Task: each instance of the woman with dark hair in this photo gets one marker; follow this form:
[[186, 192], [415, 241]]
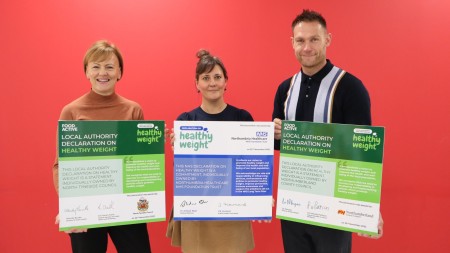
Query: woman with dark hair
[[212, 236]]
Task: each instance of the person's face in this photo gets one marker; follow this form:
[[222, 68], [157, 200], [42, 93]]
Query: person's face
[[310, 41], [212, 85], [104, 75]]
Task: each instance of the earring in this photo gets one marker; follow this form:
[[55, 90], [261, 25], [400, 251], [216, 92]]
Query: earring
[[198, 91]]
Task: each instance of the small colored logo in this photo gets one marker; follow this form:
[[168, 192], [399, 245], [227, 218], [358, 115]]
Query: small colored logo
[[69, 128], [146, 125], [193, 128], [342, 212], [142, 204], [362, 131], [290, 126], [262, 134]]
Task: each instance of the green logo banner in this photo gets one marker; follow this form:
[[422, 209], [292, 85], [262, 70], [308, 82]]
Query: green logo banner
[[103, 138], [340, 141]]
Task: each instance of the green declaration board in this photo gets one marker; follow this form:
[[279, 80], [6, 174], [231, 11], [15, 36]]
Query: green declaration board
[[330, 175], [110, 173]]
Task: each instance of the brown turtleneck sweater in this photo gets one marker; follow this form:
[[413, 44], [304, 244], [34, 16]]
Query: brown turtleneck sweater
[[92, 106]]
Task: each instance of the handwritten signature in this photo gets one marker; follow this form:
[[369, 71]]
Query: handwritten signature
[[106, 206], [77, 209], [234, 204], [317, 206], [191, 203], [290, 202]]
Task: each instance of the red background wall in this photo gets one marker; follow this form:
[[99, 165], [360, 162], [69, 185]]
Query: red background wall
[[399, 48]]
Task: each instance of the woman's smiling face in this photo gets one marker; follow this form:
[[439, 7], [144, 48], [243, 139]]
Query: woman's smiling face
[[104, 75]]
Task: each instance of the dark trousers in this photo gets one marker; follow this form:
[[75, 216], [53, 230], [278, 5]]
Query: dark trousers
[[127, 239], [304, 238]]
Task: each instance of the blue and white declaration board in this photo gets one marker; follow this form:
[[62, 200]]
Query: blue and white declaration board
[[223, 170]]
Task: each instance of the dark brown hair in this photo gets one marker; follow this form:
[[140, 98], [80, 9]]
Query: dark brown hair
[[309, 16], [207, 62]]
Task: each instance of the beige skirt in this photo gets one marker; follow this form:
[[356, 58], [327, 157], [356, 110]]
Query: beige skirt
[[211, 236]]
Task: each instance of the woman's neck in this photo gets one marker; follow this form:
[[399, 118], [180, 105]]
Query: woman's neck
[[213, 108]]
